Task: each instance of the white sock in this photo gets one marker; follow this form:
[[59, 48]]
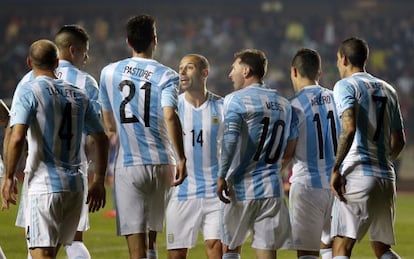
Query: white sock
[[77, 250], [152, 254], [231, 256], [326, 253], [390, 255], [2, 256], [341, 257], [308, 257]]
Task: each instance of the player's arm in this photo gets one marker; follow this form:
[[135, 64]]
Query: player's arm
[[398, 140], [93, 127], [109, 123], [232, 124], [289, 153], [96, 194], [175, 132], [344, 144], [15, 149]]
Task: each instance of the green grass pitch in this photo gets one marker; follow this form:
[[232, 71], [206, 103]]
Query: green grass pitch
[[103, 243]]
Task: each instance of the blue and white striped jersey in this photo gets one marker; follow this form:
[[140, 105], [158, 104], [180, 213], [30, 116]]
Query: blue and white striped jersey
[[258, 122], [71, 74], [57, 114], [319, 127], [377, 113], [135, 90], [201, 127]]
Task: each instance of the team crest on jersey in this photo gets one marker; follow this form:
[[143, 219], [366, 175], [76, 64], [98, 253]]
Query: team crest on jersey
[[215, 120], [170, 238]]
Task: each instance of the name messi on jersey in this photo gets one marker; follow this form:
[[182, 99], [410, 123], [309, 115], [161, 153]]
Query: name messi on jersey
[[274, 106], [135, 71], [321, 100]]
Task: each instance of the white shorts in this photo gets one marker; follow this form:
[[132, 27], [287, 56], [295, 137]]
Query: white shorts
[[20, 218], [84, 218], [141, 194], [310, 216], [185, 218], [370, 207], [52, 218], [268, 219]]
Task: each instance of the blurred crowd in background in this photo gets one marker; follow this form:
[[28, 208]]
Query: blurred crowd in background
[[217, 29]]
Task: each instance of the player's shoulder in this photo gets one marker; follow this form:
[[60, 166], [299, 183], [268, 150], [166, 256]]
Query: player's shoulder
[[215, 97]]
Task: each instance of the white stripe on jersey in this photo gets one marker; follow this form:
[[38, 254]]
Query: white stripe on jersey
[[53, 158], [135, 89], [253, 147], [380, 114], [315, 150], [201, 130]]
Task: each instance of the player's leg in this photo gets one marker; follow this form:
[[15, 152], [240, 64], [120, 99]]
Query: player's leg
[[137, 245], [152, 252], [383, 251], [78, 250], [210, 213], [43, 252], [382, 226], [265, 254], [179, 253], [131, 188], [342, 246], [214, 248]]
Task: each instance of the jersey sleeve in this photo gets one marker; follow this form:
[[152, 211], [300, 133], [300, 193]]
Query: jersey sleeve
[[93, 122], [103, 93], [169, 94], [23, 106], [344, 95], [231, 131], [92, 90]]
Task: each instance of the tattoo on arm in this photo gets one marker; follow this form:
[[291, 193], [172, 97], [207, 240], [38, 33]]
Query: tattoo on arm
[[347, 136]]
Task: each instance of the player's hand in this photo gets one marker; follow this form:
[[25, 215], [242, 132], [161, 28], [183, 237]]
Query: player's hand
[[8, 193], [180, 173], [222, 190], [338, 185], [96, 196]]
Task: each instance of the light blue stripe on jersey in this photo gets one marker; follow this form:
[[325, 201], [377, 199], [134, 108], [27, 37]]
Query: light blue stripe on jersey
[[140, 144], [201, 128], [369, 95], [316, 111], [40, 104], [251, 165]]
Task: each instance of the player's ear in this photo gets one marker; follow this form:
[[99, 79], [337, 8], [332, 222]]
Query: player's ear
[[72, 50], [293, 72], [204, 72], [29, 62]]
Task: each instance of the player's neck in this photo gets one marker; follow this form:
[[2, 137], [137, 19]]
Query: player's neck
[[146, 54], [196, 98], [41, 72]]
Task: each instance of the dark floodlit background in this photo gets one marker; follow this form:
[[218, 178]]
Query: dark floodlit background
[[218, 28]]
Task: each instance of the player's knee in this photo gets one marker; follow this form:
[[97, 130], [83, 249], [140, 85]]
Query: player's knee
[[213, 244]]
